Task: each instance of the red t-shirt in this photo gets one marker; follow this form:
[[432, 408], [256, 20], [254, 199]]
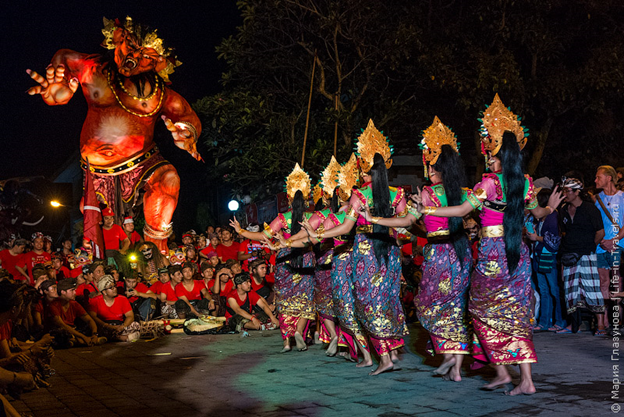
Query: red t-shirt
[[9, 262], [194, 294], [156, 287], [253, 300], [134, 237], [116, 312], [225, 288], [208, 249], [88, 287], [249, 246], [32, 258], [113, 236], [69, 316], [5, 330], [63, 272], [169, 290], [228, 252], [140, 287]]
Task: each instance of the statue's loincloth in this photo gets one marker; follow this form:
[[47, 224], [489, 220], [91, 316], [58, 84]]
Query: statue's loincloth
[[117, 186]]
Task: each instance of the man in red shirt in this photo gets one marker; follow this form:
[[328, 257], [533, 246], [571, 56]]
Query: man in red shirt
[[64, 311], [168, 296], [246, 309], [61, 270], [11, 258], [128, 227], [250, 250], [113, 313], [142, 300], [228, 248], [192, 294], [113, 235], [35, 256]]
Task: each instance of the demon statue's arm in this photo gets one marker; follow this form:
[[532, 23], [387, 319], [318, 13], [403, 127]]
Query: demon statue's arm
[[182, 122]]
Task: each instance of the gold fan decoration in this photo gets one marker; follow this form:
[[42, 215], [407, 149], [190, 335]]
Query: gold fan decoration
[[298, 180], [329, 178], [317, 192], [370, 142], [348, 177], [434, 137], [496, 120]]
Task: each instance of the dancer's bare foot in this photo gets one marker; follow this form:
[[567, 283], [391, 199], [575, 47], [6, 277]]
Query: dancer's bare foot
[[285, 349], [382, 368], [525, 388], [452, 375], [365, 363], [394, 356], [333, 347], [448, 363], [301, 346], [498, 382]]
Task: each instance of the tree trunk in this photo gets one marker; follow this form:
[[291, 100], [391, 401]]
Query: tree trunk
[[542, 137]]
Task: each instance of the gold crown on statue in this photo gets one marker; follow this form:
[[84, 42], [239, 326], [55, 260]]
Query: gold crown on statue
[[370, 142], [348, 177], [329, 178], [298, 180], [496, 120], [317, 192], [147, 39], [434, 137]]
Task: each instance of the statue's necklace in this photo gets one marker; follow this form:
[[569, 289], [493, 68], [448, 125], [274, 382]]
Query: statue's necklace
[[156, 110]]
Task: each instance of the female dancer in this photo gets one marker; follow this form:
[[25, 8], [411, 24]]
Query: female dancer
[[441, 302], [294, 272], [501, 283], [375, 260]]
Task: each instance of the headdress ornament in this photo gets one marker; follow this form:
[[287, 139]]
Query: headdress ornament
[[147, 39], [298, 180], [496, 120], [434, 137], [348, 177], [317, 192], [329, 178], [370, 142]]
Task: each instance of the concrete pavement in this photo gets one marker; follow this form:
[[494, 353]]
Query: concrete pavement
[[226, 375]]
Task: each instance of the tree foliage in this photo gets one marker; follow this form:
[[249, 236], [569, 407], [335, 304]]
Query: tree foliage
[[557, 63]]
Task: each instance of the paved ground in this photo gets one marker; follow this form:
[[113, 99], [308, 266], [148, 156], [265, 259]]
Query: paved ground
[[226, 375]]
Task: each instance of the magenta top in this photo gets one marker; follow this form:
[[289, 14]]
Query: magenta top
[[490, 189]]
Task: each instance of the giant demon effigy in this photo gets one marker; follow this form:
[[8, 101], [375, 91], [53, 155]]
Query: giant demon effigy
[[127, 92]]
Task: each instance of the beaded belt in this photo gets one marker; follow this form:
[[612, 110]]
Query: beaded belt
[[493, 231], [367, 228], [125, 167], [438, 233]]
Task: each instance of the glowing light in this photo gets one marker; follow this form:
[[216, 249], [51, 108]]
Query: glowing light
[[233, 205], [133, 257], [55, 203]]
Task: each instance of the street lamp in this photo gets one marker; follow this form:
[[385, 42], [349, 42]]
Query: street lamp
[[55, 204], [233, 205]]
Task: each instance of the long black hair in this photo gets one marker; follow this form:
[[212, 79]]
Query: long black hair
[[334, 205], [381, 207], [511, 163], [451, 167], [298, 207]]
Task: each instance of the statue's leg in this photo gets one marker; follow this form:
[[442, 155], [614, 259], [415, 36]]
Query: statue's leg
[[159, 203]]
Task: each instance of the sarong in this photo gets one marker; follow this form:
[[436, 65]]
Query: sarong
[[323, 292], [581, 284], [442, 299], [377, 295], [294, 290], [500, 305]]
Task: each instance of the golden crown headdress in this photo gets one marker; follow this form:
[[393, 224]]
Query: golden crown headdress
[[496, 120], [147, 40], [329, 178], [317, 192], [348, 177], [298, 180], [370, 142], [434, 137]]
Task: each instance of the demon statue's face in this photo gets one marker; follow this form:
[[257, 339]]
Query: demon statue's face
[[132, 58]]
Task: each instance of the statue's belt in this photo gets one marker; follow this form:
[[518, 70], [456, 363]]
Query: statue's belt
[[122, 168]]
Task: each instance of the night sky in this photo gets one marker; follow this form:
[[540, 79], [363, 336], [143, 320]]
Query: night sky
[[38, 139]]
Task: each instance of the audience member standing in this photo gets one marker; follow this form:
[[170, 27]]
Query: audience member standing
[[116, 242], [228, 249], [35, 256]]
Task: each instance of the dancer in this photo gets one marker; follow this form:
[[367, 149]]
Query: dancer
[[294, 271], [501, 283], [376, 258], [441, 302]]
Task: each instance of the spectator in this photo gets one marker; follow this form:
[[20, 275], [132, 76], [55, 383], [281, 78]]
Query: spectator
[[163, 278], [228, 248], [91, 274], [250, 250], [234, 266], [546, 245], [168, 296], [150, 261], [610, 203], [187, 239], [47, 244], [65, 311], [131, 234], [207, 273], [34, 257], [191, 255], [202, 242], [142, 301], [220, 287], [13, 258], [61, 270], [193, 297], [49, 292], [212, 247], [116, 242], [67, 252], [246, 309], [113, 313], [582, 229], [258, 271]]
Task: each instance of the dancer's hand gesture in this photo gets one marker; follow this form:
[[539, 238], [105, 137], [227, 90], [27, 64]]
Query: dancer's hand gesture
[[417, 198], [236, 225]]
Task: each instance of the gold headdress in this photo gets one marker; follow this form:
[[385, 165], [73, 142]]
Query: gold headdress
[[496, 120], [434, 137], [348, 178], [298, 180], [370, 142], [317, 192], [147, 40], [329, 178]]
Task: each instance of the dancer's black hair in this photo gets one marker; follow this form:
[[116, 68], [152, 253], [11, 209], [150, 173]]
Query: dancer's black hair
[[298, 207], [451, 167], [382, 208], [334, 205], [511, 163], [318, 206]]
